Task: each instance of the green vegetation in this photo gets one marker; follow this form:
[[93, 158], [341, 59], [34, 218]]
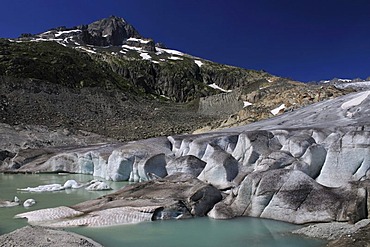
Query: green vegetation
[[180, 80], [54, 63]]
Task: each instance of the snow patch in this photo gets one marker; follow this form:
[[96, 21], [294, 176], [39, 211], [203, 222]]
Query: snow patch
[[142, 41], [132, 48], [173, 52], [42, 39], [246, 103], [199, 63], [356, 101], [345, 80], [85, 49], [154, 61], [213, 85], [69, 31], [44, 33], [175, 58], [145, 56], [278, 109]]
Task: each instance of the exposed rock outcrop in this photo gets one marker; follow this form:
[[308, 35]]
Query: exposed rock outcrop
[[109, 31]]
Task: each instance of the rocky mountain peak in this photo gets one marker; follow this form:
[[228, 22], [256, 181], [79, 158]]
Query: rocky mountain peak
[[108, 31]]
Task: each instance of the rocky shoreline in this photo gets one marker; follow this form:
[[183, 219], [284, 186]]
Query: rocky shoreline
[[339, 234], [41, 236]]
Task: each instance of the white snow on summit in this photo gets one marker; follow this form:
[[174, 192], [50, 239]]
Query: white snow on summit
[[138, 40], [344, 80], [173, 52], [199, 63], [213, 85]]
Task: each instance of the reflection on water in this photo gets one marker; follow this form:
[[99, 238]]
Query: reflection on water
[[192, 232]]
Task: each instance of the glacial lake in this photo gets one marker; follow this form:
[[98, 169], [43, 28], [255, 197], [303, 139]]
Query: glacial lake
[[196, 232]]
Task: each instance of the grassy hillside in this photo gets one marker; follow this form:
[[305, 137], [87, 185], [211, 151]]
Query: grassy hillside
[[55, 63]]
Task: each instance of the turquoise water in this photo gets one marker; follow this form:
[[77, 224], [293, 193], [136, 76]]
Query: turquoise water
[[200, 232]]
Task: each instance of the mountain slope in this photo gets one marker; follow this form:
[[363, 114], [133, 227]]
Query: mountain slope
[[105, 77], [151, 67]]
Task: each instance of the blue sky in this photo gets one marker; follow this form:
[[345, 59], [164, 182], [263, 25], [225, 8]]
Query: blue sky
[[301, 39]]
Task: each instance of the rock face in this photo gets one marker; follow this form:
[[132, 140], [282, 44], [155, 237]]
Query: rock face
[[109, 31], [309, 165]]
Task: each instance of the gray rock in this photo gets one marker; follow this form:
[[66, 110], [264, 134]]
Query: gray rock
[[40, 236], [332, 230], [108, 31]]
